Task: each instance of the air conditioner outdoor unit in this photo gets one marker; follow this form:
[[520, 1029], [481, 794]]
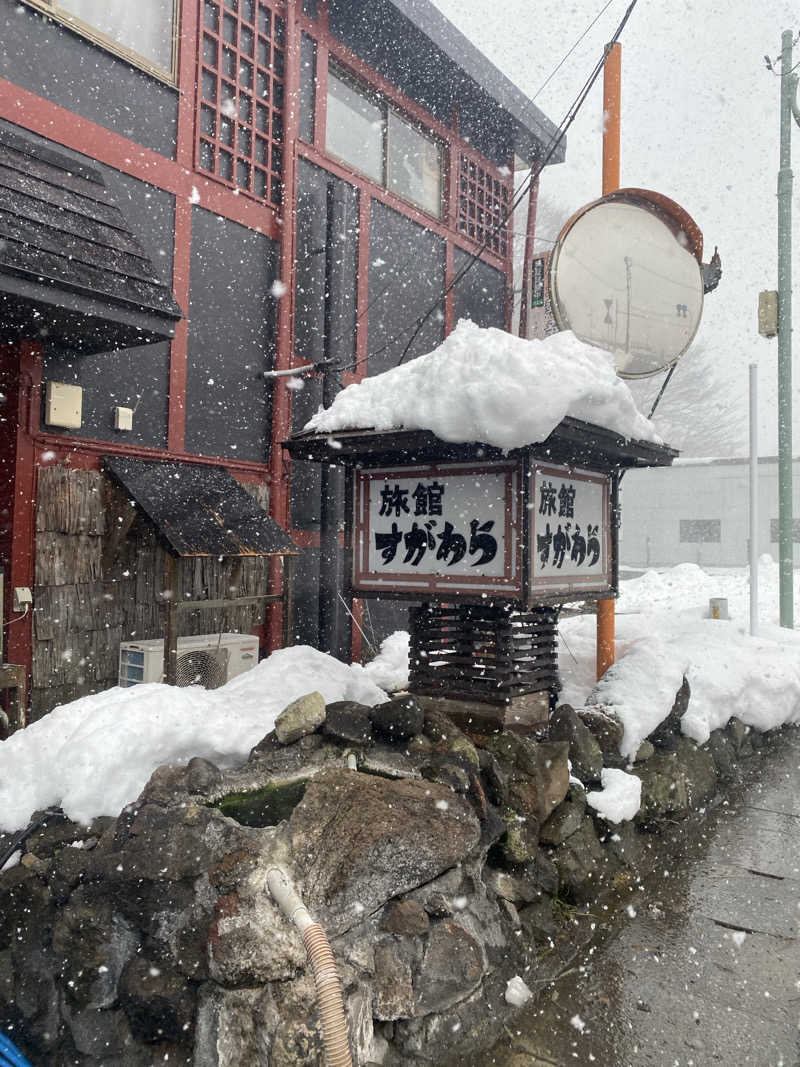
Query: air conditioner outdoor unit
[[209, 660]]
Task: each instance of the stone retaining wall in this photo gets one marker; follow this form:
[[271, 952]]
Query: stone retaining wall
[[441, 867]]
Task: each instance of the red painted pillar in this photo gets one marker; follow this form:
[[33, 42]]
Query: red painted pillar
[[284, 348], [21, 571]]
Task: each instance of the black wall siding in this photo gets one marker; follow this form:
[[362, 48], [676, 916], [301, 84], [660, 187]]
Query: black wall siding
[[313, 184], [52, 61], [481, 294], [231, 339], [406, 276], [304, 496], [131, 377]]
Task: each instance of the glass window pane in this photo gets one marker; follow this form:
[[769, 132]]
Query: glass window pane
[[146, 27], [209, 50], [415, 165], [354, 128], [211, 16]]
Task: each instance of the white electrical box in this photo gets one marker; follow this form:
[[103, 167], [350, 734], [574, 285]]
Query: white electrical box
[[63, 405], [209, 660], [123, 418], [23, 598]]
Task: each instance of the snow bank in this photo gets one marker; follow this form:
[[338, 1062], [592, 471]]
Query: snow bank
[[389, 669], [478, 385], [94, 756], [620, 797], [663, 632]]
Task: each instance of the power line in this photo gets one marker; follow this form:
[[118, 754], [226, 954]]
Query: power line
[[557, 68], [536, 170]]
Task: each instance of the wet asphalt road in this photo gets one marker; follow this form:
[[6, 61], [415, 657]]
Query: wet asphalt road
[[707, 971]]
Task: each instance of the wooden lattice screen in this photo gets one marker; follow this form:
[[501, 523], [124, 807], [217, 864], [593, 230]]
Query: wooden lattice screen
[[489, 653], [240, 88], [483, 204]]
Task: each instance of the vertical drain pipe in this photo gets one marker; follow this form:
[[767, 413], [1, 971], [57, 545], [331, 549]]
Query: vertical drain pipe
[[326, 977]]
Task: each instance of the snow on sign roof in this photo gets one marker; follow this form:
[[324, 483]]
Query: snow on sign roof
[[486, 385]]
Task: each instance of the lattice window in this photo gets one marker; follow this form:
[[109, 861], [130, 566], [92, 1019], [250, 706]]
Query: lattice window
[[241, 96], [483, 201]]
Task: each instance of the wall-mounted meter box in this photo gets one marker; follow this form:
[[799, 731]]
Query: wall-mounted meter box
[[63, 405]]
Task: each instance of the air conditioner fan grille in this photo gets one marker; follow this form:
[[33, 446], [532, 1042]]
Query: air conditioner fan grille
[[206, 667]]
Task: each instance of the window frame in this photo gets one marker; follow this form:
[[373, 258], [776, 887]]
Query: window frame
[[388, 107], [53, 10]]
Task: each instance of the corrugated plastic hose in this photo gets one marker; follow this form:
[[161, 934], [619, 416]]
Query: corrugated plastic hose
[[323, 966]]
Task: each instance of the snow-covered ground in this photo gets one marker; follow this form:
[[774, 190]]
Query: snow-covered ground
[[663, 633], [94, 755]]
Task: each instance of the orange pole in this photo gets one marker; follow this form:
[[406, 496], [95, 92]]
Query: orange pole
[[612, 108]]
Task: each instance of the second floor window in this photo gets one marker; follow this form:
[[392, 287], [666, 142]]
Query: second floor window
[[377, 141], [143, 31]]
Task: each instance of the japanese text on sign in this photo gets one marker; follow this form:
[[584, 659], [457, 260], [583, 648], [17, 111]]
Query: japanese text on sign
[[437, 522], [570, 525], [435, 536]]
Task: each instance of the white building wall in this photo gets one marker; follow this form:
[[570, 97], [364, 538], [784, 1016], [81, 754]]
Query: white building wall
[[654, 502]]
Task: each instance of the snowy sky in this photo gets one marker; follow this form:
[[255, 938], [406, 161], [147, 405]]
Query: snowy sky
[[699, 123]]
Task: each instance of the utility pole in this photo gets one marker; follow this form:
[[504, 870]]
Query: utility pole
[[612, 109], [785, 539]]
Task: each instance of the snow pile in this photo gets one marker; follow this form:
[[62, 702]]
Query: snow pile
[[640, 689], [479, 384], [517, 993], [389, 669], [94, 756], [620, 797], [664, 632]]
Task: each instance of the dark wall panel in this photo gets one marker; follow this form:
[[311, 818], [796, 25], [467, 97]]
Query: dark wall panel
[[132, 377], [46, 58], [481, 293], [135, 378], [406, 276], [306, 477], [231, 339], [325, 205]]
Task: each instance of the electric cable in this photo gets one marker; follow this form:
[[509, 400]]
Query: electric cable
[[558, 67]]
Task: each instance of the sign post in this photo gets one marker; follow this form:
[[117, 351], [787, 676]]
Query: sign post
[[488, 545]]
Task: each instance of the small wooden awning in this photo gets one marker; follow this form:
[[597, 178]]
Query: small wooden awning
[[71, 271], [199, 510]]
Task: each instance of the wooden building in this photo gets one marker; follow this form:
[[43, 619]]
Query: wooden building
[[193, 194]]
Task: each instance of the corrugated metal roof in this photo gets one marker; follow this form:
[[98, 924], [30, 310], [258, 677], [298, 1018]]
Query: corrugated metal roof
[[199, 510], [70, 268]]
